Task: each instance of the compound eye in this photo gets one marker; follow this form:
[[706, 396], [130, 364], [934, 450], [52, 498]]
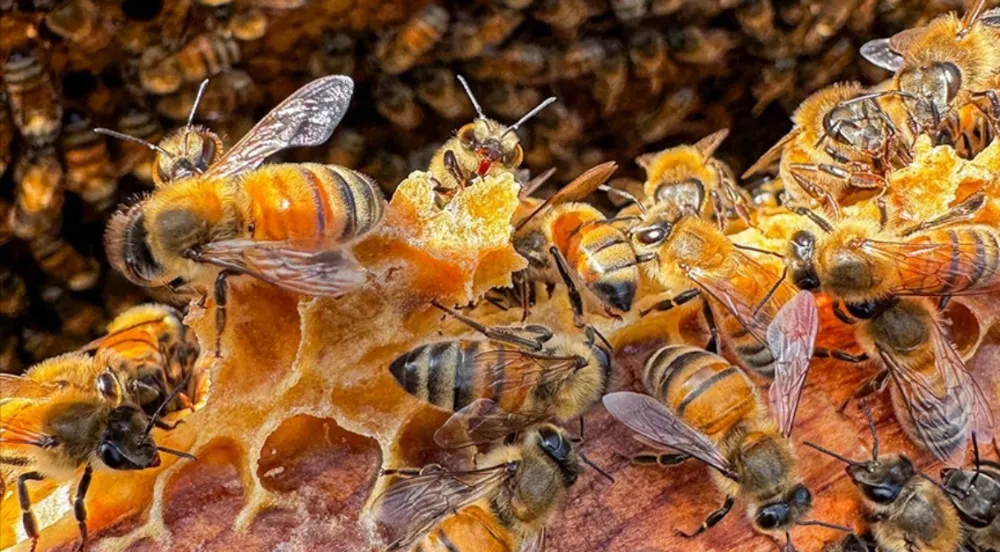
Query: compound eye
[[107, 386], [512, 158], [468, 136], [952, 78], [653, 235], [553, 443]]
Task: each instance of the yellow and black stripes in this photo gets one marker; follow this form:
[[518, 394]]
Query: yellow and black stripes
[[443, 374]]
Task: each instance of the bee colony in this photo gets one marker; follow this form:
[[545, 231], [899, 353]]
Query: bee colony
[[482, 276]]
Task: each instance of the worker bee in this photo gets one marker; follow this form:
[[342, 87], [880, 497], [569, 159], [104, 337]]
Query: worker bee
[[669, 118], [401, 49], [859, 140], [285, 224], [77, 316], [34, 103], [347, 149], [521, 62], [63, 263], [89, 169], [51, 430], [566, 16], [222, 97], [502, 504], [152, 353], [38, 194], [206, 55], [699, 46], [247, 24], [943, 66], [975, 493], [136, 158], [480, 148], [10, 357], [905, 510], [647, 50], [396, 101], [469, 38], [158, 71], [709, 410], [516, 378], [334, 57], [612, 77], [629, 11], [13, 293], [581, 58], [560, 125], [510, 101], [687, 170], [80, 22], [438, 88]]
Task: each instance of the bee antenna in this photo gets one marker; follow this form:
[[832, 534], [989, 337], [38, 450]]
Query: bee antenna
[[825, 524], [829, 452], [622, 193], [120, 136], [975, 452], [170, 398], [197, 100], [788, 542], [597, 468], [468, 92], [176, 453], [938, 484], [817, 220], [871, 428], [528, 115]]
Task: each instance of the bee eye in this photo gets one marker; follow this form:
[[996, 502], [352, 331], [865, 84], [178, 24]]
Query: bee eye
[[468, 136], [802, 496], [772, 516], [106, 385], [653, 235], [512, 157], [952, 78], [553, 444]]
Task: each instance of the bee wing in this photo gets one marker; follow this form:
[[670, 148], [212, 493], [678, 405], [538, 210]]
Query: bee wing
[[306, 118], [534, 542], [307, 267], [482, 421], [927, 268], [991, 18], [535, 183], [415, 503], [21, 424], [20, 387], [647, 417], [935, 405], [880, 52], [791, 337], [579, 188], [772, 155]]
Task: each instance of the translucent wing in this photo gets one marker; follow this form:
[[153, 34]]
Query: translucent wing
[[991, 18], [928, 268], [791, 338], [941, 401], [482, 421], [771, 156], [308, 267], [534, 542], [413, 504], [306, 118], [647, 417], [535, 183], [879, 53], [21, 423], [579, 188], [19, 387]]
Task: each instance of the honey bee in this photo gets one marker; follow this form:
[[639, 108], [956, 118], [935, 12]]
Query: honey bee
[[52, 430], [64, 264], [247, 24], [669, 117], [629, 11], [510, 101], [396, 101], [699, 46], [905, 510], [34, 103], [859, 143], [222, 97], [399, 51], [10, 357], [89, 169], [469, 38], [285, 224], [347, 149], [158, 71], [41, 344], [647, 50], [560, 125], [78, 318], [503, 504], [709, 410], [438, 88], [13, 293], [581, 58], [516, 378], [480, 148], [566, 16], [334, 57], [975, 493], [136, 158], [686, 170], [757, 20], [206, 55], [80, 22], [152, 353], [942, 67], [611, 79], [38, 194], [521, 62]]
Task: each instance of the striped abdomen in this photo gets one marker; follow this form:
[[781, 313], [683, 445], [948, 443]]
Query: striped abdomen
[[960, 259], [953, 430], [471, 529], [89, 170], [34, 103], [603, 258], [452, 374], [753, 353], [309, 200], [207, 55], [702, 388]]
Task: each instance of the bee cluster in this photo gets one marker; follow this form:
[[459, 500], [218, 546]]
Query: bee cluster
[[446, 341], [631, 73]]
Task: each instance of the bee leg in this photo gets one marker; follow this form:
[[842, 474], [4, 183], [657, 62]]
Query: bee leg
[[712, 519], [816, 191], [943, 302], [505, 334], [27, 516], [838, 311], [454, 169], [675, 301], [823, 352], [165, 426], [525, 300], [221, 297], [79, 508], [961, 212], [720, 220], [650, 458], [713, 343], [575, 299], [874, 385]]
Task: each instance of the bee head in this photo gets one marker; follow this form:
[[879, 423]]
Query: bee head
[[491, 143], [780, 515], [882, 480], [125, 444], [931, 90], [801, 254], [975, 495], [185, 153]]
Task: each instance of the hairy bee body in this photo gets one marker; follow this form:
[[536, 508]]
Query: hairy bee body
[[975, 492], [89, 169], [505, 153], [38, 194], [62, 262], [80, 22], [35, 105]]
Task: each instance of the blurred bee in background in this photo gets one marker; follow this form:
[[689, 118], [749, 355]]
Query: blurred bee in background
[[669, 118], [10, 357], [347, 149], [611, 79], [524, 63], [510, 101], [35, 105], [700, 46], [778, 81], [565, 16], [560, 125], [13, 293], [708, 409], [503, 504], [387, 168], [757, 19], [843, 140], [629, 11], [419, 159], [469, 38], [336, 56], [905, 510], [975, 493], [399, 51], [220, 99], [516, 378], [942, 67], [80, 22], [245, 24], [396, 101], [135, 157], [482, 147], [89, 169], [38, 194], [157, 71], [648, 52], [63, 263], [206, 55], [438, 88], [51, 430], [77, 316], [40, 344], [581, 58]]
